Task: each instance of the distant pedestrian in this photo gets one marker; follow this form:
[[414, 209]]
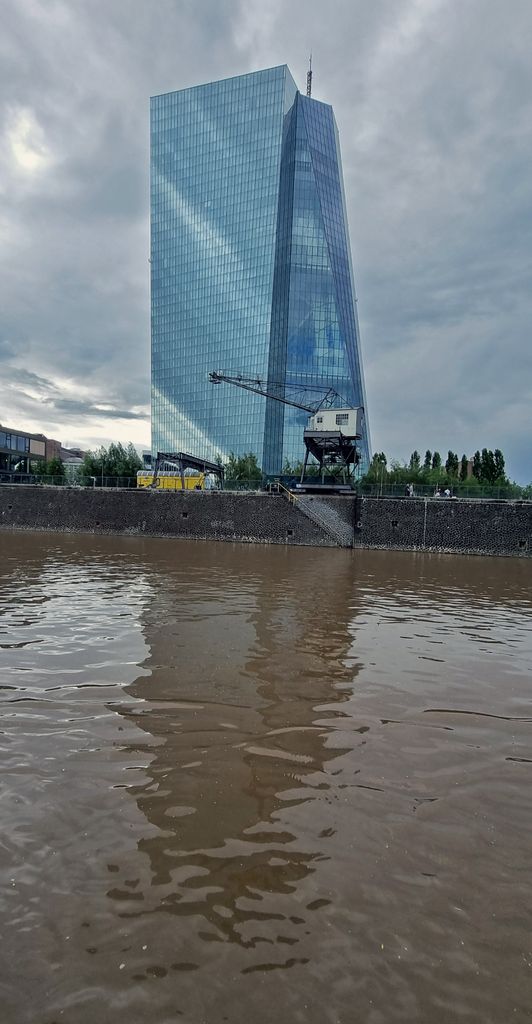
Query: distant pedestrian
[[447, 492], [411, 490]]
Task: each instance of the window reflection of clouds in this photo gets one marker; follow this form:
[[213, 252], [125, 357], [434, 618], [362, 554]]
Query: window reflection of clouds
[[215, 162], [217, 189]]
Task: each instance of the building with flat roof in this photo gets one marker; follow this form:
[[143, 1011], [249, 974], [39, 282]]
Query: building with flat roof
[[18, 448], [250, 266]]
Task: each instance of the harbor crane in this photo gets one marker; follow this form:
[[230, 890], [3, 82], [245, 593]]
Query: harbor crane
[[333, 427]]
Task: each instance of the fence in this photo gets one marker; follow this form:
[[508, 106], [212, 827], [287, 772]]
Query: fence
[[67, 481], [384, 490], [462, 490]]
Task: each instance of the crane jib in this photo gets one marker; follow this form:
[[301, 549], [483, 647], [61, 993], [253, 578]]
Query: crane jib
[[326, 397]]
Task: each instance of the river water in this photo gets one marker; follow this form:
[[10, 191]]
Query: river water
[[263, 784]]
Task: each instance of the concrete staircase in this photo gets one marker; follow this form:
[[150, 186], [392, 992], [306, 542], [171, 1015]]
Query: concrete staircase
[[324, 515]]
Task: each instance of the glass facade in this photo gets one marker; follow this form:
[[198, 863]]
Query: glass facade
[[251, 268], [17, 449], [14, 442]]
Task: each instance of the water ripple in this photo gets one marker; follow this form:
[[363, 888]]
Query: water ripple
[[237, 778]]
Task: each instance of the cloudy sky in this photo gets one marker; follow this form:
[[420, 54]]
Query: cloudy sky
[[433, 100]]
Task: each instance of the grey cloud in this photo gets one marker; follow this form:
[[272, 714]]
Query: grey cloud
[[90, 409], [35, 395], [434, 106]]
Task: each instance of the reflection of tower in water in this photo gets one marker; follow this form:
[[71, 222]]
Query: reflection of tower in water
[[248, 669]]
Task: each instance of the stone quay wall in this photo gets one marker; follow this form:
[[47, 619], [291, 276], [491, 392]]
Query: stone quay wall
[[443, 524], [196, 515], [416, 524]]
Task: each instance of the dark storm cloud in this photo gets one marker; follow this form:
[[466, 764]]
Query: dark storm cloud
[[434, 105]]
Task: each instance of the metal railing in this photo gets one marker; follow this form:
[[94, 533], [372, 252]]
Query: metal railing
[[483, 493], [35, 479], [282, 485], [292, 498]]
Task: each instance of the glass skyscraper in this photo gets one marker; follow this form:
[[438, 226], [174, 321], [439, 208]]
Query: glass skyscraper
[[250, 266]]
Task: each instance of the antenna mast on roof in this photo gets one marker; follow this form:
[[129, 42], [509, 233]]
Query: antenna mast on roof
[[309, 76]]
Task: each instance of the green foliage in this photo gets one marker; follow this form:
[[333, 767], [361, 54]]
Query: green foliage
[[499, 464], [489, 467], [378, 468], [415, 461], [243, 468], [114, 461], [294, 469], [463, 468], [488, 474], [452, 464], [53, 468], [488, 471]]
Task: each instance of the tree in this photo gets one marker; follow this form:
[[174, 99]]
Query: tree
[[115, 461], [488, 471], [452, 464], [499, 465], [294, 469], [377, 471], [243, 468], [54, 467], [464, 465], [487, 468]]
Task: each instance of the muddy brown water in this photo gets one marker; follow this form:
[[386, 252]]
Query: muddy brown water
[[262, 784]]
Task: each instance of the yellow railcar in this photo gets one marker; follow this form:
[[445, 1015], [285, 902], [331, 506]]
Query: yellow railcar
[[171, 481]]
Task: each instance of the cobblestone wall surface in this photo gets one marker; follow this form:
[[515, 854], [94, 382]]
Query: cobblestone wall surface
[[439, 524], [476, 527], [344, 505], [244, 516]]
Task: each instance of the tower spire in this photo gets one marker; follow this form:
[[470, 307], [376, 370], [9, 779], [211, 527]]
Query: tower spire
[[309, 76]]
